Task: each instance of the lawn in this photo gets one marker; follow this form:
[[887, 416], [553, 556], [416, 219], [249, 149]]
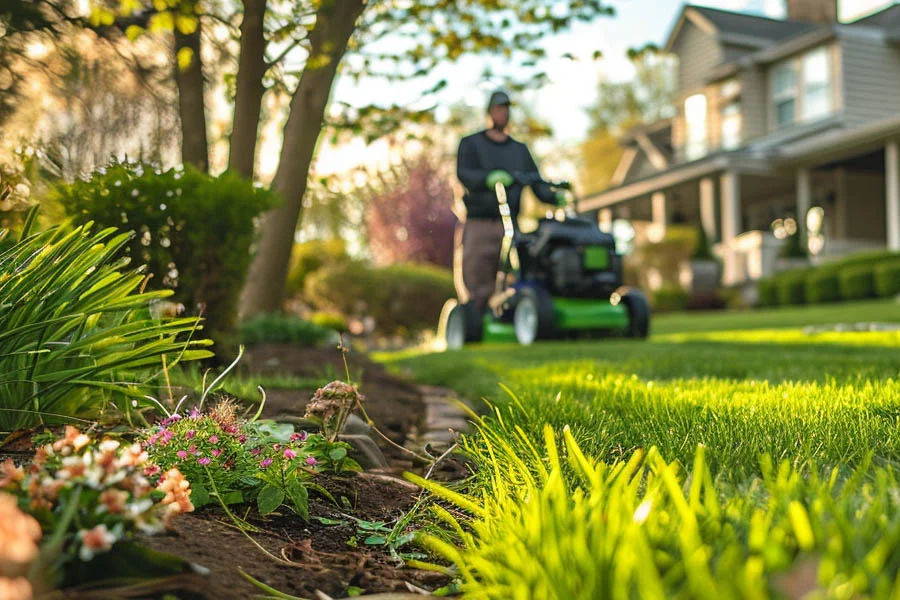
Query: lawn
[[731, 454]]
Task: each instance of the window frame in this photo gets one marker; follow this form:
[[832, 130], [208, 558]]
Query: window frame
[[696, 148], [799, 92]]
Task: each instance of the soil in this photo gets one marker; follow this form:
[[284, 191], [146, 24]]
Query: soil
[[306, 557]]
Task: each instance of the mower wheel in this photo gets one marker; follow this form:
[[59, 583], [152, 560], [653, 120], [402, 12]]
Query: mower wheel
[[533, 315], [462, 324], [638, 312]]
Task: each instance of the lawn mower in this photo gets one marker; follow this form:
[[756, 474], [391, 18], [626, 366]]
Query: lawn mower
[[563, 280]]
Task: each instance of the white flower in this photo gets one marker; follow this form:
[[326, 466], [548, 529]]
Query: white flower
[[96, 541]]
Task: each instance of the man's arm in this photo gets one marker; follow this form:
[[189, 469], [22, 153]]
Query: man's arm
[[542, 191], [470, 172]]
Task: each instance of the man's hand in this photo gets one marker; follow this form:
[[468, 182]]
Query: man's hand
[[498, 176]]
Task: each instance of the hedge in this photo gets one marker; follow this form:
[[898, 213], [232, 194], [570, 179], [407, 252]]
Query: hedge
[[822, 287], [887, 279], [669, 299], [857, 283], [791, 287]]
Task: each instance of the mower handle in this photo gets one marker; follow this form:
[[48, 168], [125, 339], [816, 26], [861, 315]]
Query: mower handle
[[535, 178]]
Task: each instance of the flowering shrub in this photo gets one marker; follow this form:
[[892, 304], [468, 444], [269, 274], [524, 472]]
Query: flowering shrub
[[94, 493], [239, 460]]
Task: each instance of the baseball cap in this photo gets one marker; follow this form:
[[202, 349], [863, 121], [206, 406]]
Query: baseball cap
[[500, 98]]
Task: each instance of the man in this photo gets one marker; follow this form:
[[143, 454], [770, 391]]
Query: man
[[485, 158]]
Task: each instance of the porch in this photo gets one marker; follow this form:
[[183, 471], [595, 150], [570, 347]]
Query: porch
[[736, 197]]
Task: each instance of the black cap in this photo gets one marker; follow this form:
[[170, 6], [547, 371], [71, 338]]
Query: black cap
[[499, 98]]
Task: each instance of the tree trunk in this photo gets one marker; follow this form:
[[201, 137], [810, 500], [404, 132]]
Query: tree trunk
[[248, 99], [335, 23], [191, 107]]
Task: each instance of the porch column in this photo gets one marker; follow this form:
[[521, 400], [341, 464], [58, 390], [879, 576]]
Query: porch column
[[892, 196], [708, 207], [658, 212], [804, 198], [605, 219], [731, 224]]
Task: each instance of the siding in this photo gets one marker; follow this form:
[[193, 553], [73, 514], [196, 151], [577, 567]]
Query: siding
[[698, 53], [641, 167], [754, 94], [871, 73]]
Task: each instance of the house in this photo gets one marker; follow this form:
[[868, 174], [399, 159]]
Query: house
[[774, 117]]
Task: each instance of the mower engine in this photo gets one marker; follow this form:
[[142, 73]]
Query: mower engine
[[571, 258]]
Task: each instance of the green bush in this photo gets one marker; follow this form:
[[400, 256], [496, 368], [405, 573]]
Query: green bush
[[767, 291], [400, 298], [887, 279], [822, 286], [669, 299], [868, 257], [309, 257], [194, 231], [857, 283], [329, 320], [791, 287], [279, 328], [76, 337]]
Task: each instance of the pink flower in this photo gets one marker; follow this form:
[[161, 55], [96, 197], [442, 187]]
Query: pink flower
[[311, 461], [213, 439], [192, 449], [190, 434], [242, 439], [151, 470], [276, 447], [204, 460], [288, 453], [216, 452], [181, 454], [298, 437], [256, 451], [94, 541], [265, 463]]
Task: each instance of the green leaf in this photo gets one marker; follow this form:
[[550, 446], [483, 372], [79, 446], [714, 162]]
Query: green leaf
[[299, 496], [337, 454], [280, 432], [353, 591], [327, 521], [269, 499], [234, 497], [376, 540], [199, 495]]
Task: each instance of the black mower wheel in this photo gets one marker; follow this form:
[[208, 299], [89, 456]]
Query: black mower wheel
[[638, 312], [533, 317], [463, 326]]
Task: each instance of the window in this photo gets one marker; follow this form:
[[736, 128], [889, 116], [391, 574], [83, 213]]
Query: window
[[816, 84], [784, 94], [695, 122], [802, 88], [731, 125]]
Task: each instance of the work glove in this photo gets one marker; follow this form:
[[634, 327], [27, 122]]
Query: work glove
[[561, 199], [498, 175]]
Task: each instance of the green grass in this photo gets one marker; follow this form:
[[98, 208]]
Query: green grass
[[800, 439]]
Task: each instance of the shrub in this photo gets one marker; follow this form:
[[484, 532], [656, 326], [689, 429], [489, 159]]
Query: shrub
[[309, 257], [76, 335], [400, 298], [857, 283], [702, 251], [866, 258], [887, 279], [795, 246], [767, 291], [669, 299], [791, 287], [822, 286], [281, 328], [329, 320], [194, 231]]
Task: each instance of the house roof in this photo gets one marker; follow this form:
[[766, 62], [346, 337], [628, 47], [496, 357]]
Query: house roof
[[738, 28], [889, 18]]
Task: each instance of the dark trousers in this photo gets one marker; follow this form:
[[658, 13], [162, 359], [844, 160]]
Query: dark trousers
[[477, 244]]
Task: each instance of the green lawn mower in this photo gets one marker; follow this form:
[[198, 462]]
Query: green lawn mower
[[563, 280]]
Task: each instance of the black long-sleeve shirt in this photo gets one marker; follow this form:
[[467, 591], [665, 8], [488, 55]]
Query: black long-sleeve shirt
[[479, 155]]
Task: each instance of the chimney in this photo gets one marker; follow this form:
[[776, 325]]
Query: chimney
[[822, 12]]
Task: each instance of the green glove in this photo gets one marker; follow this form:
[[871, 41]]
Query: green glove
[[561, 199], [498, 176]]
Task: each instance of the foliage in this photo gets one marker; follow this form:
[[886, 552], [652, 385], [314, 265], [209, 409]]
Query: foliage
[[822, 286], [193, 231], [409, 216], [794, 246], [400, 298], [702, 249], [235, 460], [329, 320], [281, 328], [90, 498], [309, 257], [666, 257], [791, 287], [76, 336], [767, 291], [887, 278], [669, 299], [857, 282]]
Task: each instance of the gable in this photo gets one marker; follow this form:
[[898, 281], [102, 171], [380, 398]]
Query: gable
[[698, 53]]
